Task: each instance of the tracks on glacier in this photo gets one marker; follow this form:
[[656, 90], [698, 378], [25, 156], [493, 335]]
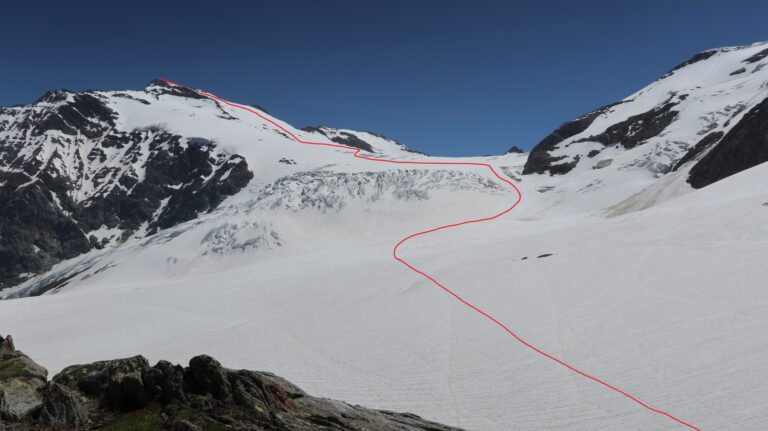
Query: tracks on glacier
[[356, 153]]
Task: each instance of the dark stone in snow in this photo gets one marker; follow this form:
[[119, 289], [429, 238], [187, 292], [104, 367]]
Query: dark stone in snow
[[515, 150], [757, 57], [544, 255], [738, 71]]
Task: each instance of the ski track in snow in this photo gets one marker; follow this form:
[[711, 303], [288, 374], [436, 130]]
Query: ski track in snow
[[439, 228]]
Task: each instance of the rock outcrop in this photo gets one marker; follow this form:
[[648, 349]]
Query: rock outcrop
[[130, 394], [744, 146], [69, 174]]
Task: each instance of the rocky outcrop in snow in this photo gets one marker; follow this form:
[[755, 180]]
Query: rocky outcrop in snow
[[131, 394]]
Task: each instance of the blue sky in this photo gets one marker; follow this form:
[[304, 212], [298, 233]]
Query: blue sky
[[448, 78]]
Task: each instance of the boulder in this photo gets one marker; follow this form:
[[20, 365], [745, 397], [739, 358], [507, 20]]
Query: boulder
[[117, 383], [20, 382], [62, 407], [206, 375]]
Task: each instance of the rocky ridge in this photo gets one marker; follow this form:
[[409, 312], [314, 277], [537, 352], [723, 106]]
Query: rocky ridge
[[130, 394]]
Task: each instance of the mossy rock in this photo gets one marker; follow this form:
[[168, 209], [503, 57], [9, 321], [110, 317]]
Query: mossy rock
[[18, 365], [139, 420]]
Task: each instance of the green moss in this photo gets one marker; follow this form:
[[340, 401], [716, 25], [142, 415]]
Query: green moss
[[204, 422], [11, 369], [139, 420], [209, 425]]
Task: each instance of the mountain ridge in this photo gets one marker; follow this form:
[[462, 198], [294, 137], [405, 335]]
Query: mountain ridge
[[67, 159]]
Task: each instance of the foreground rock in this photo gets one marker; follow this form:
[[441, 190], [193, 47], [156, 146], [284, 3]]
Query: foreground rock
[[130, 394]]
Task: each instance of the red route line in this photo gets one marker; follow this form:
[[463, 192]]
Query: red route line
[[409, 237]]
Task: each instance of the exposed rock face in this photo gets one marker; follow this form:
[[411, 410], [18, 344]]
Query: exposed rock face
[[540, 160], [343, 138], [628, 133], [705, 142], [637, 128], [744, 146], [366, 141], [66, 170], [131, 394], [757, 57]]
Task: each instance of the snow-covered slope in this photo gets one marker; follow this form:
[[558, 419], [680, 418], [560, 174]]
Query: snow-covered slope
[[289, 268], [604, 156]]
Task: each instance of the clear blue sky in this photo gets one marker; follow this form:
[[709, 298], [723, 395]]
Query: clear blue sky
[[448, 78]]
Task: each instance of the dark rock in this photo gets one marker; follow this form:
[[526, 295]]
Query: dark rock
[[6, 344], [165, 381], [183, 425], [34, 234], [62, 407], [515, 150], [593, 153], [757, 57], [205, 375], [129, 394], [744, 146], [132, 393], [544, 255], [117, 383], [42, 218], [703, 144], [158, 86], [344, 138], [738, 71], [540, 161], [638, 128], [260, 108]]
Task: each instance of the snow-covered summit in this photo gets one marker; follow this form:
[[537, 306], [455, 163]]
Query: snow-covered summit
[[664, 129]]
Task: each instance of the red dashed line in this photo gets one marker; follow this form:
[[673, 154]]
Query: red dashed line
[[429, 277]]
